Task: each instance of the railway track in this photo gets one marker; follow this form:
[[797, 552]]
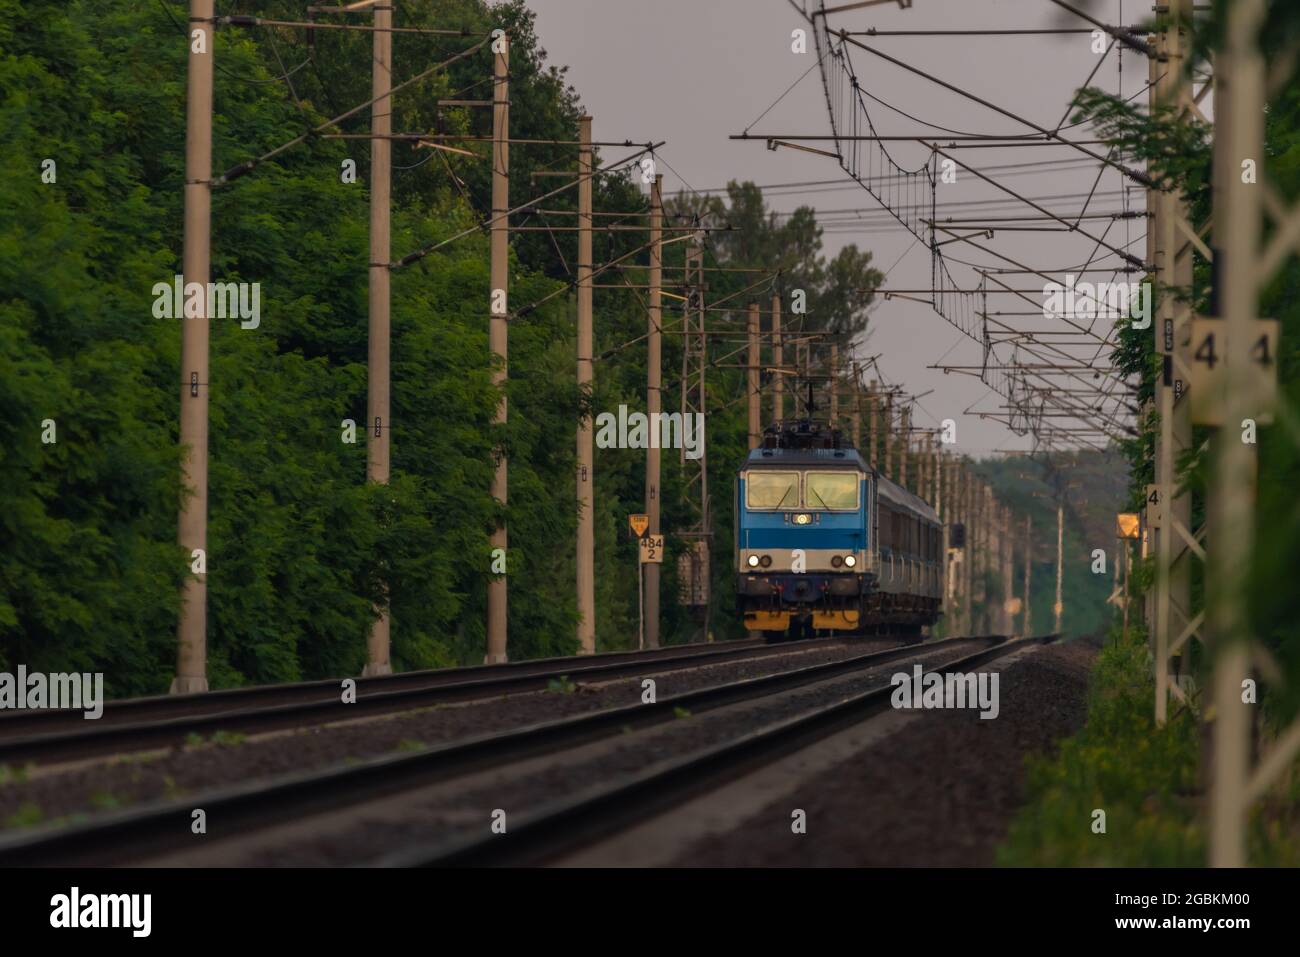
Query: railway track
[[159, 707], [45, 737], [146, 832], [574, 821]]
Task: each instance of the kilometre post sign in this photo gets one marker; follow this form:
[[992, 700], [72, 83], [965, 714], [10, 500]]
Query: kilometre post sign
[[652, 549]]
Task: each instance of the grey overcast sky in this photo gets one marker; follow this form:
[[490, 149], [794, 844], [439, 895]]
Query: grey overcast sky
[[692, 72]]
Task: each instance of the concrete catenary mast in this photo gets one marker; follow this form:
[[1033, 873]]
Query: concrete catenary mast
[[499, 274], [192, 526], [379, 431]]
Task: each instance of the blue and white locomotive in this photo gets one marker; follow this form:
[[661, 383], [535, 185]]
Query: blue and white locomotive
[[825, 543]]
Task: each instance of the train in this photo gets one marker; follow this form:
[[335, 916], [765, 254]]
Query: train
[[825, 544]]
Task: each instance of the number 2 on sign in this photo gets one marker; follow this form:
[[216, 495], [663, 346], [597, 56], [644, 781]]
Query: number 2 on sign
[[652, 550]]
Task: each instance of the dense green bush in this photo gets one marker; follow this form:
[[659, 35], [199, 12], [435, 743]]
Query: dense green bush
[[1146, 779]]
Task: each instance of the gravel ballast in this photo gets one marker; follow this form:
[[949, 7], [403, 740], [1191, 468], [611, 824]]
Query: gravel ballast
[[222, 761], [941, 791]]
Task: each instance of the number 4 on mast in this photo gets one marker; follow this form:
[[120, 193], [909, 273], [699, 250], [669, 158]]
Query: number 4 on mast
[[1209, 370], [1154, 509]]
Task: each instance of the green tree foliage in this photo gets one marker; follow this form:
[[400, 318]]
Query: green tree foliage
[[838, 291], [300, 547], [298, 543]]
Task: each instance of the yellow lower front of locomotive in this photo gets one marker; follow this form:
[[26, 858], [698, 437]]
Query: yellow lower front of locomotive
[[847, 619]]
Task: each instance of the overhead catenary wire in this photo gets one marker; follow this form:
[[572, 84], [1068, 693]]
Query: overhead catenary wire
[[485, 224], [852, 223]]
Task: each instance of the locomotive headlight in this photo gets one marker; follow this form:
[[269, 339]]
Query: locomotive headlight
[[765, 560], [836, 561], [753, 561], [803, 518], [850, 560]]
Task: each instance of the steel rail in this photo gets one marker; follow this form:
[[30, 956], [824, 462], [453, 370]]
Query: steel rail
[[161, 827], [574, 821], [15, 723], [321, 702]]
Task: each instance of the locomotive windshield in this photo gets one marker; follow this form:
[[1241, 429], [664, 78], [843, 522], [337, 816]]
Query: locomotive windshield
[[772, 490], [831, 490]]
